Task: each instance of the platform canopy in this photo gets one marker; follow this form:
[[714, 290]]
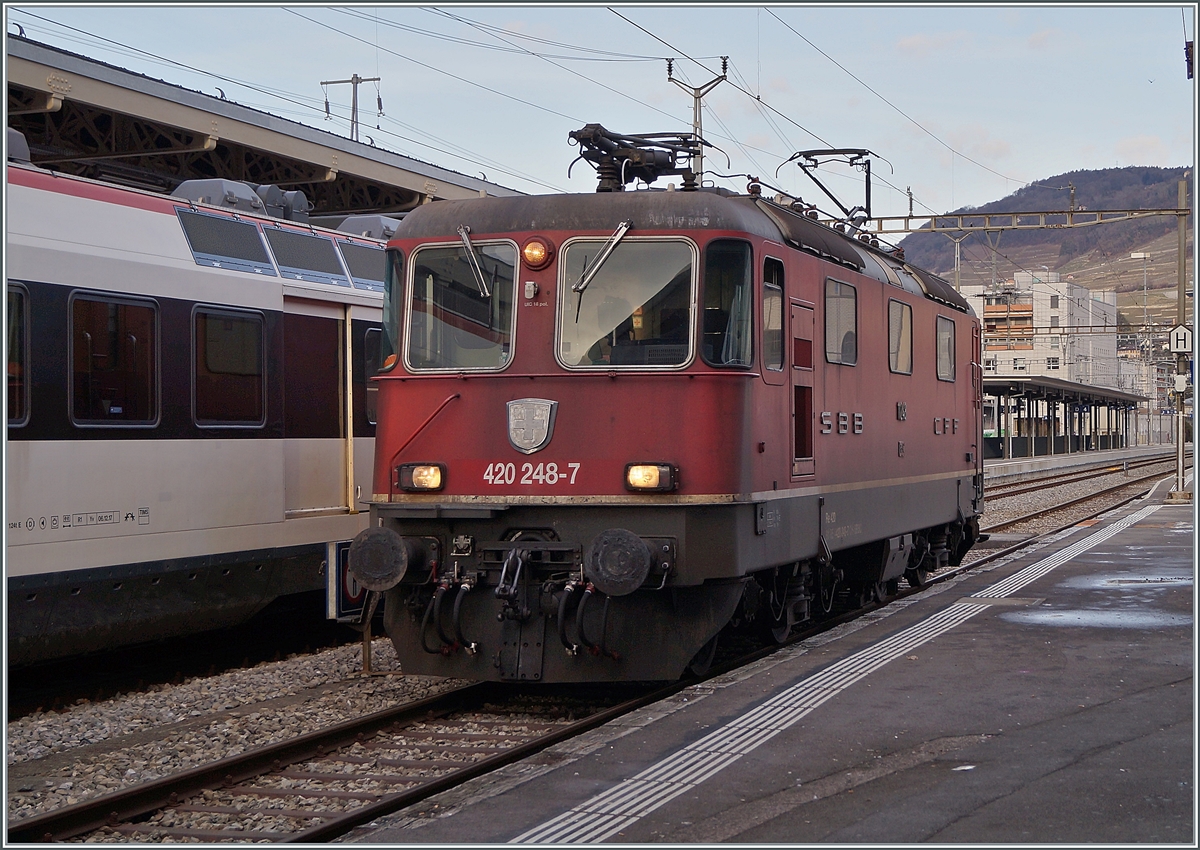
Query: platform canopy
[[95, 120], [1055, 389]]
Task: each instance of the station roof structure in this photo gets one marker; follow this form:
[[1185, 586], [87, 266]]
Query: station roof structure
[[1056, 389], [92, 119]]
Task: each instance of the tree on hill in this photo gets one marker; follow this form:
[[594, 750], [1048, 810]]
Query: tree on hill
[[1133, 187]]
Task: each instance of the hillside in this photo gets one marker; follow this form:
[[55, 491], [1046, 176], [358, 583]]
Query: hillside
[[1096, 256]]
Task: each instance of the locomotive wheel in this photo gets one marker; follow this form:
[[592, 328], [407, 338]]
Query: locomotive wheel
[[776, 630], [880, 592], [916, 577], [703, 660]]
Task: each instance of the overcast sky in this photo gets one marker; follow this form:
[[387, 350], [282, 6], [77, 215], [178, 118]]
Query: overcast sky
[[963, 104]]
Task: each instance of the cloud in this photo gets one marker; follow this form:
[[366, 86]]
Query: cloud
[[1044, 38], [922, 44], [975, 141], [1142, 150], [779, 85]]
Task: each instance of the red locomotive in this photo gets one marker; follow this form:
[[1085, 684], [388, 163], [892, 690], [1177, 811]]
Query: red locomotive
[[612, 425]]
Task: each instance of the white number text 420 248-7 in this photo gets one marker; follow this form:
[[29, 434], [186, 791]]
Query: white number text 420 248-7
[[544, 473]]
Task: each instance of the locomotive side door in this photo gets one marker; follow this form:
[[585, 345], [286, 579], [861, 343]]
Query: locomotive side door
[[802, 322]]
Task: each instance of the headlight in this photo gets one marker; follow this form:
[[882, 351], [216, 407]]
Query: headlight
[[651, 476], [421, 476], [537, 252]]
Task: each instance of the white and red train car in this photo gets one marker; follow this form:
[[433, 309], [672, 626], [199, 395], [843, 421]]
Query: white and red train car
[[189, 421], [612, 425]]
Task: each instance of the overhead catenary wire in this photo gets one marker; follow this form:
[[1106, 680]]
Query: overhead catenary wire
[[309, 105]]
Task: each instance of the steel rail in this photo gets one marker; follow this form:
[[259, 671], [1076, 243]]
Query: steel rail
[[70, 821], [1063, 478], [1090, 496]]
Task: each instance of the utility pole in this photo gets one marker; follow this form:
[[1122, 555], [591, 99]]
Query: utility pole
[[1180, 494], [697, 92], [355, 80]]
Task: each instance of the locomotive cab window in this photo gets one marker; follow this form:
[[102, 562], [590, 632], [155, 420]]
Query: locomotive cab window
[[461, 308], [114, 361], [841, 323], [773, 315], [945, 349], [728, 304], [18, 359], [229, 381], [635, 311], [900, 337]]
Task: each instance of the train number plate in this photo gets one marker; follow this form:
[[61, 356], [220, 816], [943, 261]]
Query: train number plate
[[529, 473]]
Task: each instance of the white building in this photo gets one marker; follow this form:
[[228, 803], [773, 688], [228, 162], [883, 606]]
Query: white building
[[1039, 325], [1043, 325]]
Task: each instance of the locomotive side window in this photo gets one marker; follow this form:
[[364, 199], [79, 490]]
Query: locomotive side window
[[728, 304], [393, 311], [635, 311], [945, 349], [841, 323], [900, 337], [773, 315], [229, 380], [18, 378], [114, 361], [456, 320]]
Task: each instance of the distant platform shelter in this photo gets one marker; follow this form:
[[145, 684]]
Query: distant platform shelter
[[1036, 416]]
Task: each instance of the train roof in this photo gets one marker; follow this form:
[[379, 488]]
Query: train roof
[[674, 210]]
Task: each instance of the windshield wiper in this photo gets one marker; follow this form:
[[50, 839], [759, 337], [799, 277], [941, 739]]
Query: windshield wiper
[[473, 260], [611, 244]]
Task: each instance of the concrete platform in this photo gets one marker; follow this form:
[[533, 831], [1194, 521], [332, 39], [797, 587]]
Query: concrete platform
[[1046, 698]]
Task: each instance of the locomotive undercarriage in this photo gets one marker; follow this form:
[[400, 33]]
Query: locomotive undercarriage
[[513, 596]]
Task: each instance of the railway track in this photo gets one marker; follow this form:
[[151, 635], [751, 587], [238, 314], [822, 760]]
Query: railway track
[[321, 785], [1059, 506], [1019, 488]]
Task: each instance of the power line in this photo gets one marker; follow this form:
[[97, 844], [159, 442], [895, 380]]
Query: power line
[[901, 111], [296, 99]]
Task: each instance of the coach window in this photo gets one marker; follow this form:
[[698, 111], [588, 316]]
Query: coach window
[[18, 376], [114, 361], [773, 315], [945, 349], [229, 378], [900, 337], [841, 323], [728, 304], [634, 311], [461, 310]]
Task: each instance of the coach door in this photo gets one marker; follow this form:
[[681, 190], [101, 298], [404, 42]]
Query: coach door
[[315, 456], [802, 389]]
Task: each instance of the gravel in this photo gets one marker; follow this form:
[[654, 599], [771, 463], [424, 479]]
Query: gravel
[[64, 757]]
